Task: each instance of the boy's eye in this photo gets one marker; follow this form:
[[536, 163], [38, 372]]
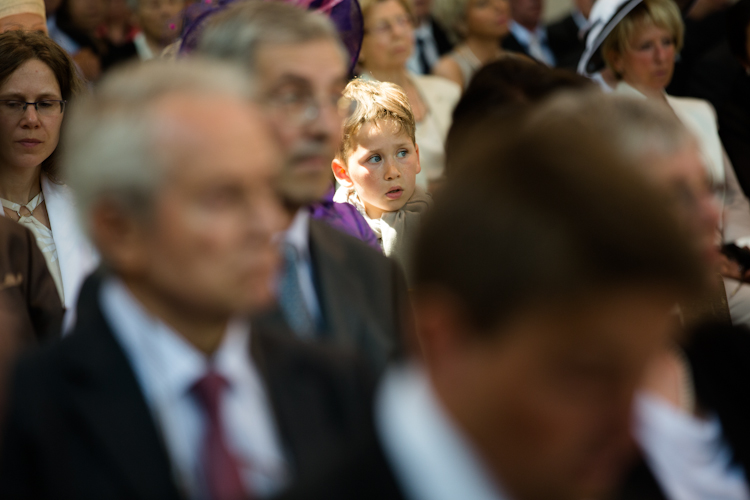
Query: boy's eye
[[402, 153], [374, 159]]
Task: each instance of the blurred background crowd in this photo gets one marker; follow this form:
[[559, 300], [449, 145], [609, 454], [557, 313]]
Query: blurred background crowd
[[375, 249]]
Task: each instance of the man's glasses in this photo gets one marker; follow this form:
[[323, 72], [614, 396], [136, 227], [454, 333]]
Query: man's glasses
[[46, 107]]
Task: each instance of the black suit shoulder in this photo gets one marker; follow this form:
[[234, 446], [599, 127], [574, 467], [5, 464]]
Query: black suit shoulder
[[511, 43], [565, 43], [363, 295], [359, 471]]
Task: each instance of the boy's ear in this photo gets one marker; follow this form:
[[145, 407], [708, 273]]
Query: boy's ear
[[419, 165], [339, 171]]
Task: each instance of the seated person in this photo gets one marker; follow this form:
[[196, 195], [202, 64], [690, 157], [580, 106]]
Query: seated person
[[377, 165]]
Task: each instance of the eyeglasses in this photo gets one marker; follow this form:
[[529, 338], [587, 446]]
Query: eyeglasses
[[304, 107], [385, 27], [46, 107]]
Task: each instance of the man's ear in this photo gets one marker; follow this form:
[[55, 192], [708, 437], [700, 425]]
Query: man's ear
[[419, 164], [339, 171], [119, 238]]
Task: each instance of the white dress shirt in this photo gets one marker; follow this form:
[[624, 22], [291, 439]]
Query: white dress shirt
[[535, 42], [142, 47], [688, 456], [298, 235], [430, 457], [167, 367]]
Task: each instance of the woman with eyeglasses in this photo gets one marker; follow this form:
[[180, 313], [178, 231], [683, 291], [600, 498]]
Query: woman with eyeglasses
[[386, 47], [37, 79]]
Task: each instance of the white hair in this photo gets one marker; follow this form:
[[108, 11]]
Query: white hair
[[237, 33], [109, 146]]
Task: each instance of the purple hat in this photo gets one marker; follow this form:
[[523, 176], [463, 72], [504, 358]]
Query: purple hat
[[346, 15]]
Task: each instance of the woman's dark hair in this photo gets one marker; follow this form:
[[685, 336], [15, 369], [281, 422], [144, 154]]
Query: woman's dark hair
[[738, 18], [17, 47]]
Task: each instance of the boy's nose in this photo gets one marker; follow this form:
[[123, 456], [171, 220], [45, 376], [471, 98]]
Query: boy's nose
[[391, 171]]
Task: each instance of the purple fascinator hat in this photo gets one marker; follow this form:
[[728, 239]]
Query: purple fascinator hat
[[345, 14]]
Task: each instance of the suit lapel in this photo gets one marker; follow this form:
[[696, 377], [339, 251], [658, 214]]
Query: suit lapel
[[107, 397], [337, 290]]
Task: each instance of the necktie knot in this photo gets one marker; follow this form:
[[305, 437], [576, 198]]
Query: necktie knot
[[208, 390]]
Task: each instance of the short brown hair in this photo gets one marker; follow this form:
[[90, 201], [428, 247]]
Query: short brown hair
[[17, 47], [375, 101], [661, 13], [547, 212]]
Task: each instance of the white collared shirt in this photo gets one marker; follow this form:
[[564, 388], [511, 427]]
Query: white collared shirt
[[167, 367], [298, 235], [688, 456], [431, 53], [142, 47], [430, 457], [526, 38]]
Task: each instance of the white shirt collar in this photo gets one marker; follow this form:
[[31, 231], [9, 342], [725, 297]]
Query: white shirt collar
[[431, 459], [142, 48], [580, 20], [298, 234], [524, 36]]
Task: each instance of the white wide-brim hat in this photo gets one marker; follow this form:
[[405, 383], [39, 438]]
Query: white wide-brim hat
[[605, 15]]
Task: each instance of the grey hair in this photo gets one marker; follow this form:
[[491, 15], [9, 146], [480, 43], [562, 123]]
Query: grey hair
[[638, 127], [237, 33], [109, 145], [451, 14]]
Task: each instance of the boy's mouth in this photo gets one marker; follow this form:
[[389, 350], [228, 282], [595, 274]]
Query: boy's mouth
[[395, 193]]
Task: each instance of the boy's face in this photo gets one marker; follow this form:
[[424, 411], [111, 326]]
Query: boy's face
[[383, 167]]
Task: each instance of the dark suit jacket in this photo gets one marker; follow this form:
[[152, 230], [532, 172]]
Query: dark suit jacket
[[444, 44], [564, 42], [734, 127], [719, 357], [357, 472], [80, 428], [362, 294], [30, 307]]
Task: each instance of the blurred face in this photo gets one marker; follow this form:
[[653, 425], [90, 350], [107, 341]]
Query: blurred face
[[28, 138], [422, 8], [383, 168], [160, 20], [547, 401], [684, 176], [25, 22], [488, 18], [648, 62], [87, 15], [302, 85], [208, 248], [389, 37], [584, 7], [527, 13]]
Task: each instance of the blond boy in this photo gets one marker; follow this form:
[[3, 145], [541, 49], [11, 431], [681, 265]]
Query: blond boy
[[377, 165]]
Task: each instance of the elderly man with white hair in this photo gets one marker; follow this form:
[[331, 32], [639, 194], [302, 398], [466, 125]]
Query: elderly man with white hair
[[333, 288], [164, 389]]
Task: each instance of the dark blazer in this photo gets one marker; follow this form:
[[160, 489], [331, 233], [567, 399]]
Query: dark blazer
[[565, 43], [360, 471], [443, 42], [30, 307], [80, 428], [511, 43], [362, 294], [719, 358], [734, 127]]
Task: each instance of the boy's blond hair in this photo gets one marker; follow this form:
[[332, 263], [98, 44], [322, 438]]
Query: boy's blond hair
[[375, 101]]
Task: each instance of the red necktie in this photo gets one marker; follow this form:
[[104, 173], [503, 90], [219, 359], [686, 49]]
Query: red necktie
[[221, 469]]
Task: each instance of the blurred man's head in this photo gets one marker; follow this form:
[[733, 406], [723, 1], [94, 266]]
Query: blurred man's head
[[527, 13], [173, 168], [299, 66], [159, 20], [544, 282], [26, 15]]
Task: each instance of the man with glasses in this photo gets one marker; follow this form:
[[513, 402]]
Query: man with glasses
[[332, 287]]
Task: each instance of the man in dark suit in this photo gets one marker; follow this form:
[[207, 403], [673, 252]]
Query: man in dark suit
[[565, 35], [332, 287], [164, 390], [531, 350], [431, 41]]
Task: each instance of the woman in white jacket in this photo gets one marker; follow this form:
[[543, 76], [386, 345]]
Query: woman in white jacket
[[37, 79]]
